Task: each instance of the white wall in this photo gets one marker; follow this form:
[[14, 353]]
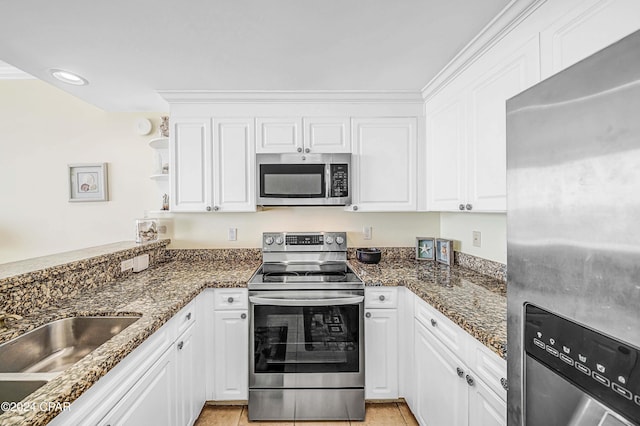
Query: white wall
[[42, 129], [492, 227]]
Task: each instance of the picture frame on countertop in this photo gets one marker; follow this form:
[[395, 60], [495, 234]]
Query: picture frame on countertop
[[444, 251], [88, 182], [425, 248]]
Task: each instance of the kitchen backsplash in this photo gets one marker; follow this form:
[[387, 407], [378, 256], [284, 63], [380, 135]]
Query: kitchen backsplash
[[42, 282]]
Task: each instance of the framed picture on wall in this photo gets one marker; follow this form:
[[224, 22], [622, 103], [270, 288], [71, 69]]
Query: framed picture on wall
[[444, 251], [88, 182], [425, 248]]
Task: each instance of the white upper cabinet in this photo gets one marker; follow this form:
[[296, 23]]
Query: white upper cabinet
[[213, 173], [190, 167], [586, 27], [466, 130], [327, 135], [234, 165], [384, 164], [279, 135]]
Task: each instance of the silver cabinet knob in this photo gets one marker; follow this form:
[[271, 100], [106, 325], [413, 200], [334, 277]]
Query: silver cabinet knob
[[355, 208], [504, 383], [381, 297], [368, 315], [461, 207], [459, 372], [299, 149], [208, 208], [230, 300], [468, 206], [243, 316], [180, 346], [307, 150], [470, 380], [434, 322], [216, 208], [188, 316]]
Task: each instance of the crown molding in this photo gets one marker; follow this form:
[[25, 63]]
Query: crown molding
[[9, 72], [509, 18], [291, 96]]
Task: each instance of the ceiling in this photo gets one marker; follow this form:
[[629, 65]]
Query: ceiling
[[129, 50]]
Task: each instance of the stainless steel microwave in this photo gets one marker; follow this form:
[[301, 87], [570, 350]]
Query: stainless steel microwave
[[304, 179]]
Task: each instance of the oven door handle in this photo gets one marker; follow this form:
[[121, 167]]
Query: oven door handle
[[335, 301]]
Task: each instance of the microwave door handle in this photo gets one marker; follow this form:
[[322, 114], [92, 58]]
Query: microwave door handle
[[336, 301], [327, 182]]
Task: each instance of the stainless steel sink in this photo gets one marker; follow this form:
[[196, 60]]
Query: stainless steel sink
[[32, 359]]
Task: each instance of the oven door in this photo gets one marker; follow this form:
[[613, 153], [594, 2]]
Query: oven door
[[306, 339]]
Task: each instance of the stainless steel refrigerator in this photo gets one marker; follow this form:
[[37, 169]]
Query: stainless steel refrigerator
[[573, 231]]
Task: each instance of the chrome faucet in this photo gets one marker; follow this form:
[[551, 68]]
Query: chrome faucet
[[5, 316]]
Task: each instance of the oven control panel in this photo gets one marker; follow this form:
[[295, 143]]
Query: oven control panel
[[605, 368], [304, 241]]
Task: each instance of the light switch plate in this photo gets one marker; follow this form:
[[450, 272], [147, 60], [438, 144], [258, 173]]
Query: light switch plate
[[366, 231], [125, 265], [233, 234], [140, 263], [477, 239]]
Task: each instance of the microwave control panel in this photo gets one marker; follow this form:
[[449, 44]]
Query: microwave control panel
[[339, 180], [603, 367]]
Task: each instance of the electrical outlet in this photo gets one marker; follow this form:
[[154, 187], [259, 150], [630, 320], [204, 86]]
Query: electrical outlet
[[477, 239], [125, 265], [366, 231], [232, 234]]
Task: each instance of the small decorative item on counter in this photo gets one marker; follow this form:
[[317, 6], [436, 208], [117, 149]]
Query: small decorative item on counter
[[368, 255], [164, 126], [425, 248], [165, 202], [146, 230], [444, 251]]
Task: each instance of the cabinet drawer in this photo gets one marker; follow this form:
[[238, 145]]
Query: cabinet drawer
[[381, 297], [488, 366], [452, 336], [230, 298], [185, 318]]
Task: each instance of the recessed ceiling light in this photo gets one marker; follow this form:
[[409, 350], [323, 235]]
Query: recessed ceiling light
[[68, 77]]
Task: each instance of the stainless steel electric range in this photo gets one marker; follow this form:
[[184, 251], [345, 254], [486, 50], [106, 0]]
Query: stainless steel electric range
[[306, 341]]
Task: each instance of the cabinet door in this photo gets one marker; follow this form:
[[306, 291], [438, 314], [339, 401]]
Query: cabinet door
[[500, 80], [231, 338], [384, 164], [381, 353], [441, 396], [189, 386], [587, 27], [234, 165], [446, 152], [486, 408], [278, 135], [190, 167], [327, 135], [151, 401]]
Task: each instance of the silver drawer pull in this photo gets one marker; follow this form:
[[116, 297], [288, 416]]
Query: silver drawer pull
[[368, 315], [180, 345], [470, 380], [243, 316], [434, 322], [188, 316], [230, 300], [460, 372], [381, 297]]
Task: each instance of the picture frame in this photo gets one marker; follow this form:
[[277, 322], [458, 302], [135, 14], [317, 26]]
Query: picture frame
[[444, 251], [88, 182], [425, 248]]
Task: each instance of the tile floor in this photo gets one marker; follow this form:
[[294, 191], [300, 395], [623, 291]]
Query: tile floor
[[378, 414]]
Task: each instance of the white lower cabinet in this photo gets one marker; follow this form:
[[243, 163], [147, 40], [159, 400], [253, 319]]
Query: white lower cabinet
[[441, 395], [381, 344], [189, 385], [458, 381], [231, 346]]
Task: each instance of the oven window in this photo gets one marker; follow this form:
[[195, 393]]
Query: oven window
[[318, 339], [292, 180]]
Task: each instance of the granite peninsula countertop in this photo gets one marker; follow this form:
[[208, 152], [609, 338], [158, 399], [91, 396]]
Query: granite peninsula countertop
[[476, 302]]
